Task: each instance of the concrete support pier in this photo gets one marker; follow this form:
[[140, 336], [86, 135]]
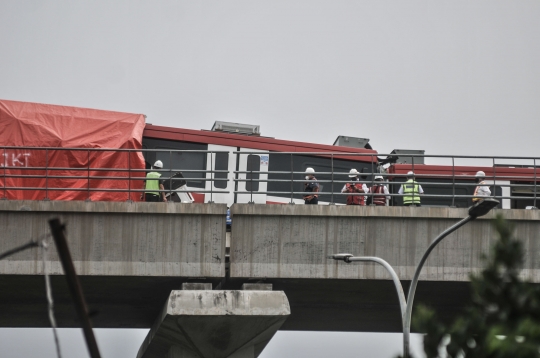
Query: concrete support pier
[[216, 324]]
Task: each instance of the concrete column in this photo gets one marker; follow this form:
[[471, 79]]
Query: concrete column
[[216, 324], [179, 352]]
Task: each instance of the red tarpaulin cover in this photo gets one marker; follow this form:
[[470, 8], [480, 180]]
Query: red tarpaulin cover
[[31, 172]]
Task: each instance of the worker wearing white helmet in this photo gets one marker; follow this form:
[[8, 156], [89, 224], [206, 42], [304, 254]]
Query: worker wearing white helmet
[[481, 189], [411, 191], [311, 186], [153, 185], [380, 192], [355, 187]]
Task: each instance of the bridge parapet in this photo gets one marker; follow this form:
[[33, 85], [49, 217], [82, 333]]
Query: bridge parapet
[[119, 238], [293, 241]]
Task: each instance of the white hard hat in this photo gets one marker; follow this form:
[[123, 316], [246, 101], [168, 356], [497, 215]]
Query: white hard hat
[[158, 164], [410, 173], [480, 174], [353, 172], [310, 170], [379, 177]]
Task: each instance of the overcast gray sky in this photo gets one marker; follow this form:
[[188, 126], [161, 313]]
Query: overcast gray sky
[[124, 343], [450, 77]]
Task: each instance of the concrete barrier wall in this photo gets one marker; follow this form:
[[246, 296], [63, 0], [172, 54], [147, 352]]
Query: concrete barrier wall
[[292, 241], [117, 238]]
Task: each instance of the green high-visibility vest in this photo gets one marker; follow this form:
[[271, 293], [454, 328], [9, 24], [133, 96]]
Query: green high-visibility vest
[[152, 183], [411, 187]]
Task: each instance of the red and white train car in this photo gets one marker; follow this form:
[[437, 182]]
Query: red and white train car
[[445, 185], [269, 160]]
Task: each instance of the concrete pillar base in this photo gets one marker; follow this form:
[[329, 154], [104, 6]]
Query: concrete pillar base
[[179, 352], [216, 324]]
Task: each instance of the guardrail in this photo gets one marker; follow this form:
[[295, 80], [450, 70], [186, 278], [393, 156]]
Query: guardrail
[[85, 171], [503, 178], [54, 172]]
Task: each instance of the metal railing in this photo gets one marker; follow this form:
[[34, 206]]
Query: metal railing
[[83, 172], [119, 174], [446, 186]]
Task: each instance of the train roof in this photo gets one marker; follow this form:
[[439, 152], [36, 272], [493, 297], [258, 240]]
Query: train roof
[[254, 142]]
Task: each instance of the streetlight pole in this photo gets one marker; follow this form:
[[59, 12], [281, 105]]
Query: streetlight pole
[[412, 288], [479, 209]]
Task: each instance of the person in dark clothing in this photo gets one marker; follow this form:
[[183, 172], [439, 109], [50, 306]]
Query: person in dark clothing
[[311, 186]]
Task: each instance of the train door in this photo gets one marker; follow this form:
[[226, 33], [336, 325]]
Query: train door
[[251, 190], [222, 181], [523, 196], [500, 188]]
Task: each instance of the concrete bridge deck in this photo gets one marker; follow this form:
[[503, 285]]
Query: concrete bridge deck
[[293, 241], [288, 245], [131, 255]]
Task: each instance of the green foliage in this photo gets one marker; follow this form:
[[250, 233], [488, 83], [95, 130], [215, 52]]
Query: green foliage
[[503, 320]]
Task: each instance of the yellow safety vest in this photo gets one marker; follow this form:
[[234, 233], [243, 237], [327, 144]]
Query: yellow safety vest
[[411, 187], [152, 183]]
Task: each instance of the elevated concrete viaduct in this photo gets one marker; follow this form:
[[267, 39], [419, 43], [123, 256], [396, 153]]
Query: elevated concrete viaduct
[[130, 256], [287, 245]]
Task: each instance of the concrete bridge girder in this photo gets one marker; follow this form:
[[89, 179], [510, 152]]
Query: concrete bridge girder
[[130, 256], [293, 241], [119, 239], [288, 245]]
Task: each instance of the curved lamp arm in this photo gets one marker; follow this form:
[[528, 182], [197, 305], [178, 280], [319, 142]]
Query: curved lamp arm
[[395, 278], [397, 283]]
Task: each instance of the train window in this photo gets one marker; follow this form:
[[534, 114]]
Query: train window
[[253, 163], [179, 161], [221, 163], [299, 163], [522, 196]]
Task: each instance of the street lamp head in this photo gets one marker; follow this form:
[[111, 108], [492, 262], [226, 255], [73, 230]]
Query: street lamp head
[[341, 257], [482, 207]]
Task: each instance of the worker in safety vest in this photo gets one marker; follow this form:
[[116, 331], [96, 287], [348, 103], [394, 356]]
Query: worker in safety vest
[[311, 186], [380, 192], [153, 185], [411, 191], [355, 187], [481, 189]]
